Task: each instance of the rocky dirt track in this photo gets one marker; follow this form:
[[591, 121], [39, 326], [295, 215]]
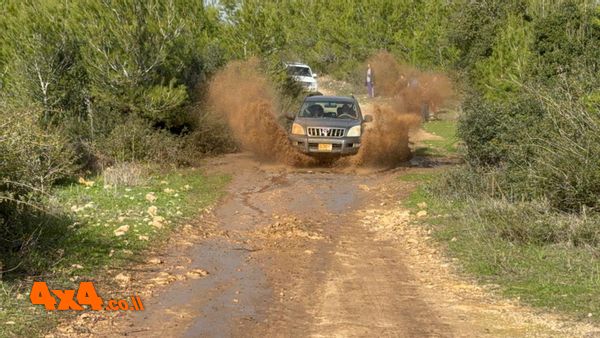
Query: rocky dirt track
[[313, 252]]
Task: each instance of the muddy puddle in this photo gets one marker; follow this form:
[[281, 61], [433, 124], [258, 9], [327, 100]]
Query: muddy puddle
[[265, 209], [232, 289]]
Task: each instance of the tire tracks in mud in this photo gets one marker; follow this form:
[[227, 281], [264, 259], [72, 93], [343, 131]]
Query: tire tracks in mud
[[311, 268], [318, 253], [276, 180]]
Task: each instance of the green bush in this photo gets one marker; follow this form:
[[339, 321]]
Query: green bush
[[164, 105], [535, 223], [565, 162], [566, 40], [135, 139], [545, 148], [32, 159], [492, 130], [494, 211], [210, 136]]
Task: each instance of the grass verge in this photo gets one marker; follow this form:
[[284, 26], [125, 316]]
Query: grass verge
[[530, 252], [101, 227], [446, 145]]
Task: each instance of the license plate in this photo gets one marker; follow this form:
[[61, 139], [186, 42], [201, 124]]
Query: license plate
[[325, 147]]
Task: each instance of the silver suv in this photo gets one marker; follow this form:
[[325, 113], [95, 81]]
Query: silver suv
[[328, 125]]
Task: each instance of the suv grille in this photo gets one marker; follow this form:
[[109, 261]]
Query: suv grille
[[325, 132]]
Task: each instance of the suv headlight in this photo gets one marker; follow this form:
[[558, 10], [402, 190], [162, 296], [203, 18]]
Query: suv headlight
[[297, 129], [354, 131]]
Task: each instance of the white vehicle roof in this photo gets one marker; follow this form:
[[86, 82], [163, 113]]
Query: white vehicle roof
[[297, 64]]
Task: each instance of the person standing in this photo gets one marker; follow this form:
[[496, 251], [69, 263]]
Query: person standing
[[369, 81]]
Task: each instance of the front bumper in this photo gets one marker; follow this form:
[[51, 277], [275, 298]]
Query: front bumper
[[340, 146], [310, 87]]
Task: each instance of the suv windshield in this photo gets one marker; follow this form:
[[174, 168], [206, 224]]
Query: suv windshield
[[299, 71], [329, 109]]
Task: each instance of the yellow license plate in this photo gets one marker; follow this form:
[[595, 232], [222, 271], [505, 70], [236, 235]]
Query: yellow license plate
[[325, 147]]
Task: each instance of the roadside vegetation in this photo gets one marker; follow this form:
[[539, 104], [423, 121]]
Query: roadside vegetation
[[98, 224], [94, 91], [446, 145], [528, 250], [525, 250], [523, 210]]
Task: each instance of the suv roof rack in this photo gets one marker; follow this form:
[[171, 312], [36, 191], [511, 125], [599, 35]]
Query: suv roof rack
[[314, 94]]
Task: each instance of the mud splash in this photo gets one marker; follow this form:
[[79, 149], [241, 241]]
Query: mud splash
[[405, 96], [410, 90], [248, 102], [385, 143]]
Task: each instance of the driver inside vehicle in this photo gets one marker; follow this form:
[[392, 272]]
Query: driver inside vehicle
[[346, 110]]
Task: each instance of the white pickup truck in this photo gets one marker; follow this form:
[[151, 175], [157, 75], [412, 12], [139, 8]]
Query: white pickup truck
[[304, 75]]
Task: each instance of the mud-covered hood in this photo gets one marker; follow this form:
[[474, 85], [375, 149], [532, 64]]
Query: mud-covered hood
[[331, 123]]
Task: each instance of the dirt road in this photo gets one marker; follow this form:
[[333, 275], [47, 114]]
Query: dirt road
[[321, 253], [297, 260]]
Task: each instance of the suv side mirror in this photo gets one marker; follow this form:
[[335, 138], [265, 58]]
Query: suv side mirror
[[367, 118], [290, 116], [315, 75]]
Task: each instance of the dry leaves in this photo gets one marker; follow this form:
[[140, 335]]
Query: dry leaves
[[122, 278], [196, 273], [122, 230], [151, 197], [85, 182]]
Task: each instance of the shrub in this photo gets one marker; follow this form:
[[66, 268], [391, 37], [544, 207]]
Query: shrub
[[491, 130], [534, 223], [124, 174], [461, 183], [135, 139], [164, 104], [565, 162], [546, 145], [31, 160], [210, 135]]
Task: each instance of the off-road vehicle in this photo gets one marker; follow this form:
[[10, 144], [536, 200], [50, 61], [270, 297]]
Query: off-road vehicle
[[328, 125], [302, 73]]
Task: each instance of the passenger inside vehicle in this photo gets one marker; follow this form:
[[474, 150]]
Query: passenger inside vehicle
[[315, 110]]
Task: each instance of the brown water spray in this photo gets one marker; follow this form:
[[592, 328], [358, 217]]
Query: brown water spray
[[247, 100], [404, 95]]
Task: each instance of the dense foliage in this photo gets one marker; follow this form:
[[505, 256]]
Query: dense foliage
[[123, 80], [533, 109], [85, 84]]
